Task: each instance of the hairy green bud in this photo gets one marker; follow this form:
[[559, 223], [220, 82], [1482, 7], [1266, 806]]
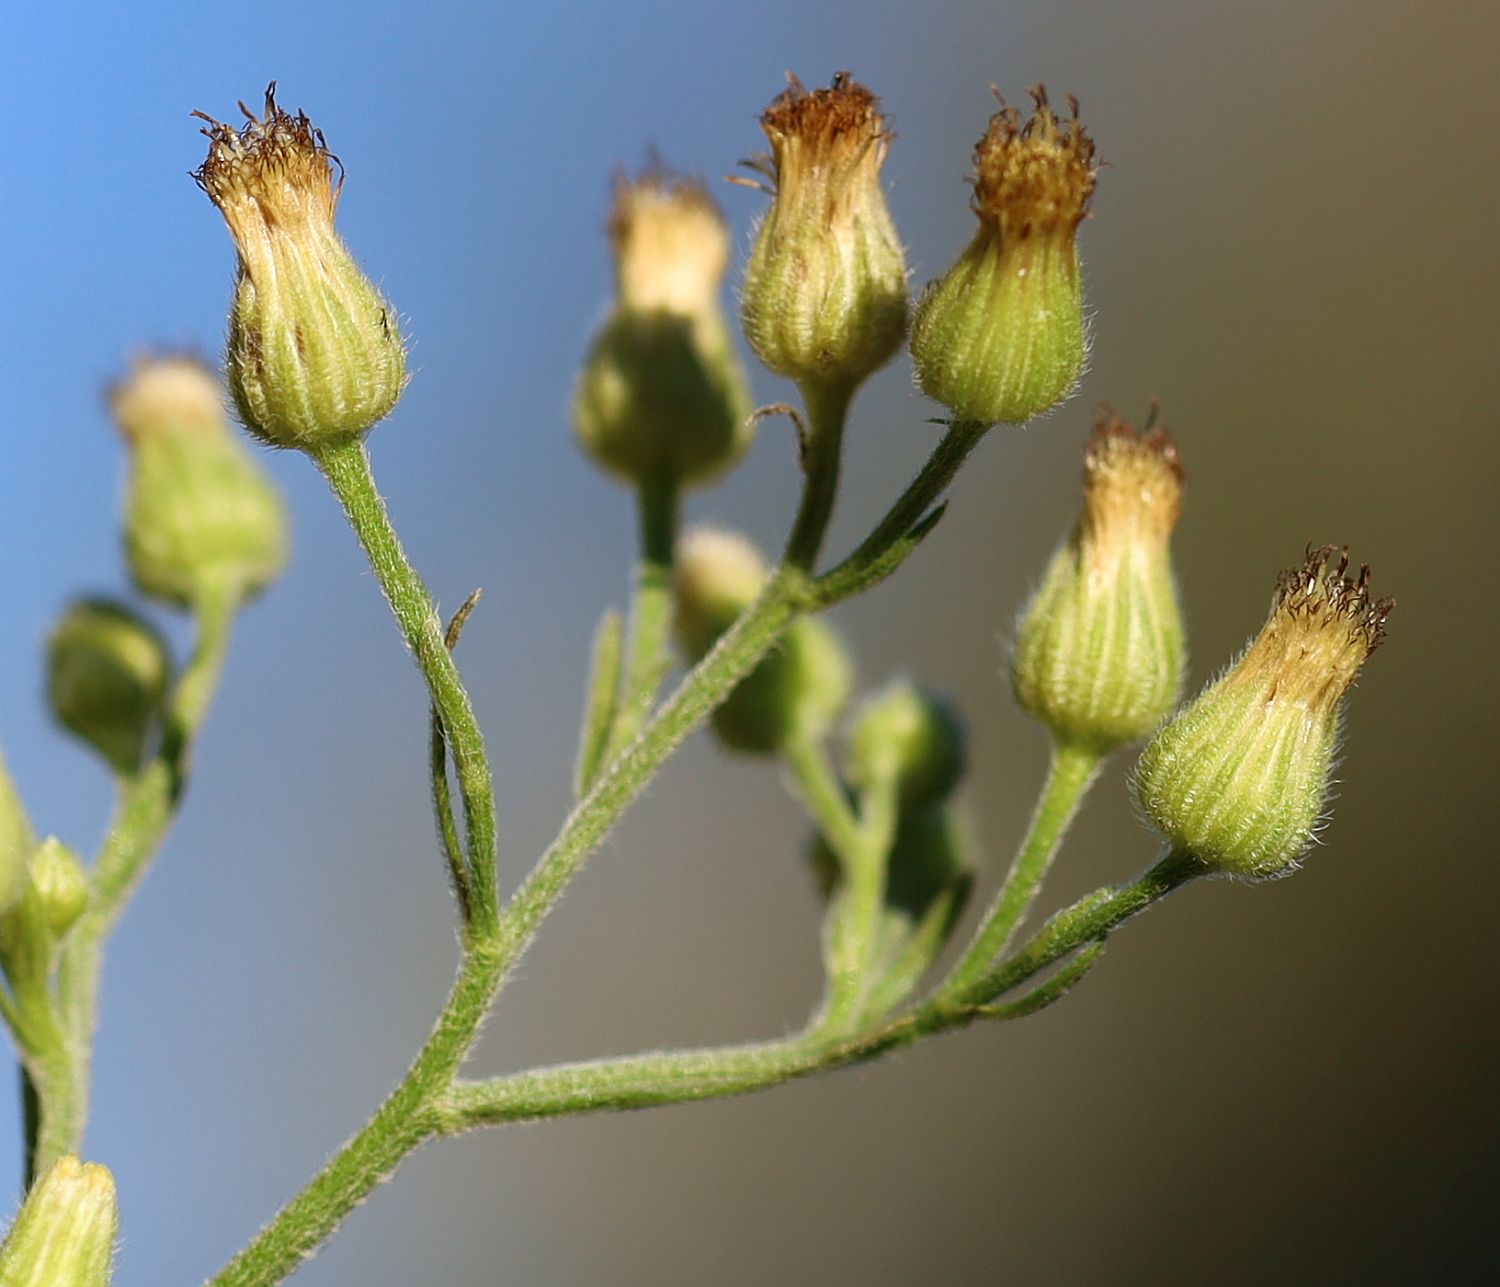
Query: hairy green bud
[[797, 690], [1099, 650], [1002, 337], [199, 510], [825, 297], [908, 735], [1239, 779], [107, 673], [17, 840], [65, 1233], [314, 355], [60, 885], [662, 397]]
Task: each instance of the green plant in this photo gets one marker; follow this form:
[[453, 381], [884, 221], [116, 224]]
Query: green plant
[[1237, 782]]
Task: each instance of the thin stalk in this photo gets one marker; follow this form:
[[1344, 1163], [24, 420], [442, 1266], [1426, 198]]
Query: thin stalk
[[650, 611], [346, 466], [822, 450], [680, 1076], [1069, 777], [148, 802]]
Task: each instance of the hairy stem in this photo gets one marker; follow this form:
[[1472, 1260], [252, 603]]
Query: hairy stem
[[822, 449]]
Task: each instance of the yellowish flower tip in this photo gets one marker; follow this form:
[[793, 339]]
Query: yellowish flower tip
[[1132, 488], [1002, 337], [670, 243], [718, 574], [65, 1231], [1034, 177], [1239, 779], [172, 391], [1099, 649], [825, 295], [314, 353]]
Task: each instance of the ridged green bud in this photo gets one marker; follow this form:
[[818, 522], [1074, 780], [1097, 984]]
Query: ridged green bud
[[199, 510], [908, 735], [314, 355], [1239, 779], [798, 689], [662, 397], [60, 883], [825, 296], [17, 840], [1099, 649], [107, 673], [64, 1235], [1002, 337]]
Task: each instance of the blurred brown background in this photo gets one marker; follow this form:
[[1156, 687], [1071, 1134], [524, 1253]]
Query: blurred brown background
[[1294, 248]]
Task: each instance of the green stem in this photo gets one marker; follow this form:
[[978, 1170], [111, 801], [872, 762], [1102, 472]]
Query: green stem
[[680, 1076], [1072, 771], [147, 804], [854, 915], [819, 788], [402, 1123], [650, 611], [347, 469], [822, 452]]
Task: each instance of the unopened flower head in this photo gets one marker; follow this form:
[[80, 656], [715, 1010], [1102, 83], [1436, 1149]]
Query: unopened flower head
[[314, 355], [662, 398], [825, 294], [59, 885], [798, 689], [107, 674], [65, 1233], [1002, 337], [912, 737], [17, 840], [200, 513], [1239, 779], [1099, 648]]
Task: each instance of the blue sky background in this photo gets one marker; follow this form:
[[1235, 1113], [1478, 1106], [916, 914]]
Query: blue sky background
[[1292, 247]]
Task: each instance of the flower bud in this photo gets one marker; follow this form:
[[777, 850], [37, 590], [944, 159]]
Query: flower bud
[[908, 735], [65, 1233], [16, 842], [314, 356], [1099, 650], [1002, 337], [107, 673], [825, 298], [1239, 779], [199, 511], [798, 689], [61, 885], [662, 396]]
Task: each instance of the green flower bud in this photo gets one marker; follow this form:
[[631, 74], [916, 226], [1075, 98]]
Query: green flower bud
[[314, 356], [107, 673], [1239, 779], [911, 736], [60, 884], [797, 690], [199, 511], [17, 840], [1099, 651], [825, 297], [1002, 337], [662, 396], [65, 1233]]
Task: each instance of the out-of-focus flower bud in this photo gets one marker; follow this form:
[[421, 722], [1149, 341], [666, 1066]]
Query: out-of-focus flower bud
[[662, 398], [314, 355], [60, 884], [1002, 337], [107, 673], [798, 690], [199, 511], [64, 1235], [17, 840], [825, 295], [1239, 779], [1099, 650], [907, 735]]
